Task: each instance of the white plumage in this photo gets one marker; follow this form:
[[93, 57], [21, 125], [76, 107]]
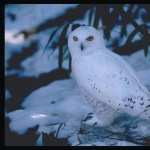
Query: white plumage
[[104, 77]]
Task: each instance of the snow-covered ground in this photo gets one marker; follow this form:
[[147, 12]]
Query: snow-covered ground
[[59, 107], [29, 16], [68, 109]]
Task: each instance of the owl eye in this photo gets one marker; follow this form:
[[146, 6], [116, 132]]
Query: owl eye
[[90, 38], [75, 38]]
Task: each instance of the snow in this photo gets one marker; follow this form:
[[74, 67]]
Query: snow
[[39, 63], [138, 61], [48, 109], [44, 106], [35, 13], [10, 39]]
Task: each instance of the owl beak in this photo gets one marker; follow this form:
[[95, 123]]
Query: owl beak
[[82, 47]]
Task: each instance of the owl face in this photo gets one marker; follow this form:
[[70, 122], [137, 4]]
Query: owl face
[[83, 40]]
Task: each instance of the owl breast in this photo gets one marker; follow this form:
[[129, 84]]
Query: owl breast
[[112, 85]]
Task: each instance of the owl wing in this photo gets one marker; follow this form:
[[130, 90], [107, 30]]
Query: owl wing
[[128, 71], [119, 85]]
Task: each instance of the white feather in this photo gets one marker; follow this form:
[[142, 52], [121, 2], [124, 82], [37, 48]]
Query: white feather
[[105, 78]]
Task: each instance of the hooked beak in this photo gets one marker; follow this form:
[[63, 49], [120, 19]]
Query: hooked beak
[[82, 46]]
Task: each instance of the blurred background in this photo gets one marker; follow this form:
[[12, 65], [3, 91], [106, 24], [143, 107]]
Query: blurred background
[[38, 67]]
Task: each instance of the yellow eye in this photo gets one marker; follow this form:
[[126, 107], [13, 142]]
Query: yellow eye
[[75, 38], [90, 38]]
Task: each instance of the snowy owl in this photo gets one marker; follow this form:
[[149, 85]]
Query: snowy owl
[[104, 77]]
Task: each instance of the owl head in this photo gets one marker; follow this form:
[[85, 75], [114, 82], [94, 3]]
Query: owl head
[[85, 40]]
